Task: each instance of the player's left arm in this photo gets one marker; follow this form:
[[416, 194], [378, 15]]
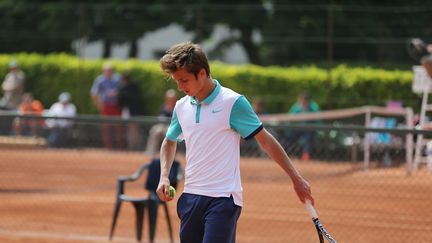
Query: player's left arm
[[275, 151], [244, 120]]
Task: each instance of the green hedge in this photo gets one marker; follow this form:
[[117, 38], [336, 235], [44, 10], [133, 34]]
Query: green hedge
[[49, 75], [343, 86]]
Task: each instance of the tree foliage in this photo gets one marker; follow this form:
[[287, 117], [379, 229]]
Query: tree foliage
[[281, 32]]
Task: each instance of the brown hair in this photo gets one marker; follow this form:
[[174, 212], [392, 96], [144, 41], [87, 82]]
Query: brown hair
[[185, 55]]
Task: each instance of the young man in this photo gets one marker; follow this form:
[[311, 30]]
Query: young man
[[211, 119]]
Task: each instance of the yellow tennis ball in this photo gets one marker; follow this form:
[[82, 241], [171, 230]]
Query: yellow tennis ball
[[172, 192]]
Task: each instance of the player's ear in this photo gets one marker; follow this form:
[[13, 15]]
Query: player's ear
[[202, 73]]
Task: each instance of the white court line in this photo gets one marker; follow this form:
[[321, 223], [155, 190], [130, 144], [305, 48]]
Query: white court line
[[66, 236]]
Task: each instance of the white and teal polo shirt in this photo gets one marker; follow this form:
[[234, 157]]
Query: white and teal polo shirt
[[211, 130]]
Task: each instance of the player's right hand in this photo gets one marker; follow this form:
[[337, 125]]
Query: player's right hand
[[163, 190]]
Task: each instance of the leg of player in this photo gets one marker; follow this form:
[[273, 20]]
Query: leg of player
[[221, 221]]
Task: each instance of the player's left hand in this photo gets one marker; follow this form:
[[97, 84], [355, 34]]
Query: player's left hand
[[303, 189]]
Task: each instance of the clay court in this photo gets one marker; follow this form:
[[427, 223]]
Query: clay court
[[68, 196]]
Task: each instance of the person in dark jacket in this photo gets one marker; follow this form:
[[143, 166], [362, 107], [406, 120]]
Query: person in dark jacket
[[131, 103]]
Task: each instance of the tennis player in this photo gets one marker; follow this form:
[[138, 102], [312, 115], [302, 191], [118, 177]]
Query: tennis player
[[211, 119]]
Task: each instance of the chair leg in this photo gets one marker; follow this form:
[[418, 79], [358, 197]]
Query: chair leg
[[139, 211], [153, 211], [115, 214], [168, 218]]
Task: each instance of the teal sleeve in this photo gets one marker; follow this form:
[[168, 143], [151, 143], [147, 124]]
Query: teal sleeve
[[174, 129], [295, 109], [243, 119], [314, 107]]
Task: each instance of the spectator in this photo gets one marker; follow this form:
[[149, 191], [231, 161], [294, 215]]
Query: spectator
[[59, 129], [29, 106], [258, 106], [104, 93], [423, 52], [250, 146], [304, 104], [131, 102], [13, 87], [157, 132], [130, 99]]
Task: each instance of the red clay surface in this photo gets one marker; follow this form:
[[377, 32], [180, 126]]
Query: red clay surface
[[49, 196]]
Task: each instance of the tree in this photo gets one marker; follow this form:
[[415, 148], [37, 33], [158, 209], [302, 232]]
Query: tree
[[118, 22], [242, 16], [36, 26]]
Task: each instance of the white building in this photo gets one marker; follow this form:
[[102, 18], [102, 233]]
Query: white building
[[152, 44]]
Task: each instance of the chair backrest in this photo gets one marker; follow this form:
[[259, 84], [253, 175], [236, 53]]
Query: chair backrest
[[153, 176]]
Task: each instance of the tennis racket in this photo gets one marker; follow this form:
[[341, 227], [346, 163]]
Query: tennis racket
[[322, 232]]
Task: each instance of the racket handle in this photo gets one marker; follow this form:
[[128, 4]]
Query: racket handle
[[311, 209]]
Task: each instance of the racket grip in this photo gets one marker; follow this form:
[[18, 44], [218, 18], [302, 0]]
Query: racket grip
[[311, 209]]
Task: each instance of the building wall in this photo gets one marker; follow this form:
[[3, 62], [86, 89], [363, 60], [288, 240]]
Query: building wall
[[153, 44]]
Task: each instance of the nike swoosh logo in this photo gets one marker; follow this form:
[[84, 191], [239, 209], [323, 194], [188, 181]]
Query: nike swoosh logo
[[216, 111]]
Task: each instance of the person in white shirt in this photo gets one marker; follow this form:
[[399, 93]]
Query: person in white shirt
[[211, 119], [13, 87], [59, 128]]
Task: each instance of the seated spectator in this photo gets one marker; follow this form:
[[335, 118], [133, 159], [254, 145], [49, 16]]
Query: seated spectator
[[29, 106], [258, 106], [304, 104], [158, 131], [250, 147], [385, 138], [59, 129]]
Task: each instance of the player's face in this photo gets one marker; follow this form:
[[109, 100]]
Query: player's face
[[188, 83]]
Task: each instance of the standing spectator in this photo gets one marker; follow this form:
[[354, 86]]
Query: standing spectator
[[59, 129], [130, 99], [131, 102], [157, 132], [104, 93], [29, 106], [13, 87], [304, 104]]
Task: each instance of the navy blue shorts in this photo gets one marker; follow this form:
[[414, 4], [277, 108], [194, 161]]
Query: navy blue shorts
[[207, 219]]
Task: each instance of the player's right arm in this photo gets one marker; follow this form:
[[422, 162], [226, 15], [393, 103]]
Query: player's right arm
[[167, 154]]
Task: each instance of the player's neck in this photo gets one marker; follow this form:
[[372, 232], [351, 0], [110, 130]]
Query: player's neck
[[207, 89]]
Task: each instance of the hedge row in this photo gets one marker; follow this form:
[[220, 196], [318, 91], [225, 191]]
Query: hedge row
[[343, 86]]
